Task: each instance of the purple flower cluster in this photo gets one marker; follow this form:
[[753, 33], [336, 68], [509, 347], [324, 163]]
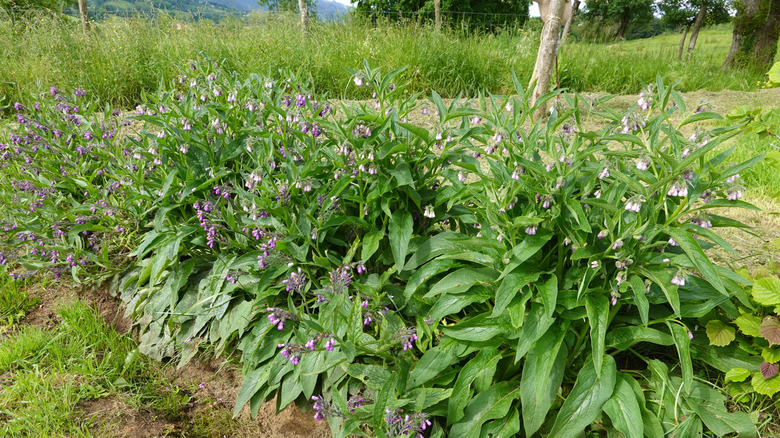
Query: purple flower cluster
[[270, 244], [406, 336], [330, 342], [296, 282], [203, 210], [405, 425], [293, 351], [279, 316], [324, 409]]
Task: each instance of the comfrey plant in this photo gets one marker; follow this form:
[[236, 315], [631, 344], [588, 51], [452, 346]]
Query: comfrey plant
[[433, 282]]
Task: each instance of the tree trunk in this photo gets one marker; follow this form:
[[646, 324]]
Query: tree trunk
[[624, 20], [84, 15], [682, 41], [303, 8], [756, 30], [437, 14], [545, 58], [696, 28], [575, 6]]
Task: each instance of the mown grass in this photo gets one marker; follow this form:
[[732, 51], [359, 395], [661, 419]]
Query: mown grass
[[125, 57]]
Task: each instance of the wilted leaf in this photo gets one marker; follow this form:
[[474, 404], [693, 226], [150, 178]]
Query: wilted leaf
[[770, 330], [768, 370], [719, 333], [766, 291], [737, 375], [749, 324]]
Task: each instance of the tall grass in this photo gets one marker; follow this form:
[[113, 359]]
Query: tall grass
[[124, 57]]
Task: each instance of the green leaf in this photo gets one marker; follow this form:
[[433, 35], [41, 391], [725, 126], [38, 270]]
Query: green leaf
[[586, 399], [427, 271], [749, 324], [462, 280], [510, 286], [484, 362], [371, 244], [579, 214], [535, 327], [640, 297], [623, 338], [774, 74], [530, 245], [697, 257], [493, 403], [597, 308], [384, 397], [766, 291], [508, 427], [683, 344], [709, 405], [433, 362], [401, 224], [542, 377], [720, 333], [548, 290], [771, 355], [767, 387], [448, 304], [477, 329], [737, 375], [623, 408]]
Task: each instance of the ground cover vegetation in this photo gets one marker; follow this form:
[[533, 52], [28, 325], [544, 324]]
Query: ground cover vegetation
[[122, 58], [489, 276]]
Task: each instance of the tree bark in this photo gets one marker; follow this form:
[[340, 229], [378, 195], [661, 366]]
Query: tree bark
[[696, 28], [756, 31], [84, 15], [624, 20], [545, 58], [575, 6], [303, 8], [682, 41], [437, 14]]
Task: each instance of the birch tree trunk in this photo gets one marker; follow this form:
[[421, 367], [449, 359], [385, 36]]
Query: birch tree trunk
[[682, 41], [575, 6], [437, 14], [696, 27], [303, 8], [84, 15], [548, 51]]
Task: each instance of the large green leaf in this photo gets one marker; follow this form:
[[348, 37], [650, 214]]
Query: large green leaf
[[493, 403], [597, 308], [623, 408], [698, 258], [640, 297], [623, 338], [542, 377], [766, 291], [683, 343], [484, 362], [720, 333], [548, 289], [433, 362], [523, 251], [586, 399], [461, 281], [448, 304], [710, 406], [510, 286], [506, 427], [401, 224], [478, 329]]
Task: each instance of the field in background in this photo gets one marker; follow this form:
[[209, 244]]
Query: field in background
[[125, 57]]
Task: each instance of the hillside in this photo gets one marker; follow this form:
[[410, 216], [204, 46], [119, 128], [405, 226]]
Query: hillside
[[199, 9]]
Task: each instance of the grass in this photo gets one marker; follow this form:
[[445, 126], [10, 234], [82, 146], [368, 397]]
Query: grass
[[52, 379], [15, 303], [125, 57]]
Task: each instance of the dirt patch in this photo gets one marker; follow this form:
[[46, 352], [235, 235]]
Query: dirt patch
[[114, 417]]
